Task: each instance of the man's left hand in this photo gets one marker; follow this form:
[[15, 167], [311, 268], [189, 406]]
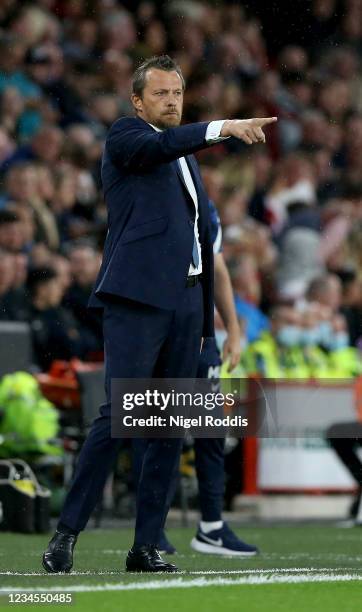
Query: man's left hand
[[232, 349]]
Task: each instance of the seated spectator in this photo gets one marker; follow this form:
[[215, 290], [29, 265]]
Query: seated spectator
[[345, 360], [13, 75], [40, 256], [27, 219], [84, 265], [294, 181], [81, 42], [247, 293], [46, 67], [7, 146], [341, 226], [11, 109], [299, 259], [15, 303], [54, 330], [314, 341], [11, 235], [45, 147], [352, 304], [340, 338], [61, 265], [277, 353], [314, 130], [75, 204], [325, 290], [6, 279], [23, 187], [261, 169]]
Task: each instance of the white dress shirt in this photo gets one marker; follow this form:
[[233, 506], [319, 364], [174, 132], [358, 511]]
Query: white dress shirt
[[212, 135]]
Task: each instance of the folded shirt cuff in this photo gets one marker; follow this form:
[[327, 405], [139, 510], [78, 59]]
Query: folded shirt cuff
[[213, 131]]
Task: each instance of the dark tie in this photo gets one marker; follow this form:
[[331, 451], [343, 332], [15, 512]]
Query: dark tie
[[195, 252]]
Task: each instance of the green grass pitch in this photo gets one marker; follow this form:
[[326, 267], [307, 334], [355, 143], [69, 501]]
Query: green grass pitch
[[300, 568]]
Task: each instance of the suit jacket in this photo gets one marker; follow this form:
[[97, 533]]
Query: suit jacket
[[151, 214]]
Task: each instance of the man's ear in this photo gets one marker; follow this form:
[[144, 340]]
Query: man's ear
[[137, 103]]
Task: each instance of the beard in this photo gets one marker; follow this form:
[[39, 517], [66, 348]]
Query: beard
[[163, 120], [168, 120]]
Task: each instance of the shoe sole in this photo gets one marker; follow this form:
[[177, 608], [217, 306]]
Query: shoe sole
[[137, 571], [202, 547]]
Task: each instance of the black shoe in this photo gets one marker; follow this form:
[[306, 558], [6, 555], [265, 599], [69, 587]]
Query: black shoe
[[58, 557], [147, 559]]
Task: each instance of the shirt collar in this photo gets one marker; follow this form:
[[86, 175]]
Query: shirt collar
[[155, 128]]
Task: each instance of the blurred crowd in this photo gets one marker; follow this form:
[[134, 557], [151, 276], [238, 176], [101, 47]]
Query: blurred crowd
[[291, 210]]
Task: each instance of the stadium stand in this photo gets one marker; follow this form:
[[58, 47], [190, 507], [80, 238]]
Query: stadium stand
[[291, 211]]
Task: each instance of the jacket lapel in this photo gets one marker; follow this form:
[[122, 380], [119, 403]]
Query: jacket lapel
[[202, 198], [189, 200], [192, 164], [181, 176]]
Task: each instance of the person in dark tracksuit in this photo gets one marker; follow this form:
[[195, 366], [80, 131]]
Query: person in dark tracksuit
[[213, 536]]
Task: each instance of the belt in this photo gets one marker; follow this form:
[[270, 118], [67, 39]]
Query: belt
[[193, 280]]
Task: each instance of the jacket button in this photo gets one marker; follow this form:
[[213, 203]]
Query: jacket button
[[191, 223]]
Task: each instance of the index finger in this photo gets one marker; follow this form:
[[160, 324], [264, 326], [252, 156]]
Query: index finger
[[232, 365], [265, 120]]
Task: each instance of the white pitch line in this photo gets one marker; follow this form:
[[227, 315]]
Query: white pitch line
[[87, 573], [179, 583], [274, 570]]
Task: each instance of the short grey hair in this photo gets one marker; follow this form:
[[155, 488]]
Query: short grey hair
[[161, 62]]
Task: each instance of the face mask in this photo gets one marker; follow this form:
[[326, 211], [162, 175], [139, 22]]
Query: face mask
[[310, 337], [325, 334], [289, 335], [339, 341]]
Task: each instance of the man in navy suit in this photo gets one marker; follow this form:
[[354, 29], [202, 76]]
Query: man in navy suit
[[155, 286]]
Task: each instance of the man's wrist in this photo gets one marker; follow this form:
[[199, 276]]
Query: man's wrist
[[213, 132], [225, 130], [233, 328]]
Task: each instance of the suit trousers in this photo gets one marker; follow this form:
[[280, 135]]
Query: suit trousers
[[209, 452], [140, 341]]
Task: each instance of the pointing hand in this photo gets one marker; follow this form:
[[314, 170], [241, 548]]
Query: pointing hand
[[248, 130]]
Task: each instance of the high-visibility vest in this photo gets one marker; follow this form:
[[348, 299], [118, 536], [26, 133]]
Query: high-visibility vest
[[346, 362]]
